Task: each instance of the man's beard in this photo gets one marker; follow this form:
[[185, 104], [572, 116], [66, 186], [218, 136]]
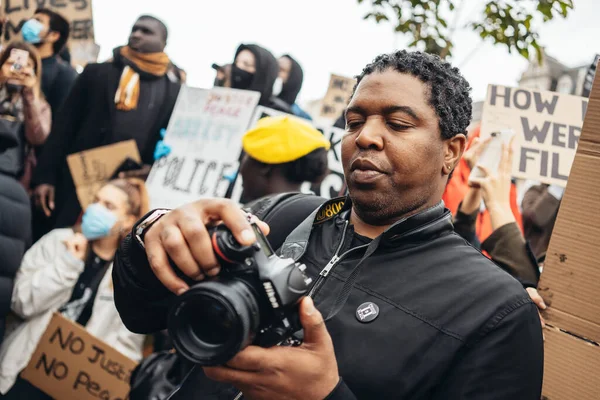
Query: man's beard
[[381, 209]]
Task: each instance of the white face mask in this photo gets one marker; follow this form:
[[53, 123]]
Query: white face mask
[[277, 87]]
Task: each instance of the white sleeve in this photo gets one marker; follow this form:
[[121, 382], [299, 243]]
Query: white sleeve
[[556, 191], [46, 277], [130, 344]]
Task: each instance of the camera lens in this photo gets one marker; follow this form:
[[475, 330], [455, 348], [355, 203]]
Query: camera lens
[[214, 320], [215, 323]]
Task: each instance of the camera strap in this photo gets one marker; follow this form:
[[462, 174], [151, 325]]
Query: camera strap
[[296, 243]]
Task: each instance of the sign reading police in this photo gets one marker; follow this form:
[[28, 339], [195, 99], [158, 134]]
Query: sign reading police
[[547, 125], [205, 136]]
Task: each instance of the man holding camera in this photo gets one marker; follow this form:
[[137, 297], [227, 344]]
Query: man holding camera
[[401, 307]]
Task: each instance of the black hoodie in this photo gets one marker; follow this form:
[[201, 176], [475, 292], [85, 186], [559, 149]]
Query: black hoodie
[[267, 70], [15, 235], [292, 87]]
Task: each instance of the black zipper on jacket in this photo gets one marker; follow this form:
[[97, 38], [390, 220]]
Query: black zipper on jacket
[[314, 291]]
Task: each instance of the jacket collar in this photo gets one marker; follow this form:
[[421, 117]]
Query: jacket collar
[[428, 223]]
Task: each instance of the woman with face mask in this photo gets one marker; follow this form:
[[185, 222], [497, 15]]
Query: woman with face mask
[[69, 271], [25, 117]]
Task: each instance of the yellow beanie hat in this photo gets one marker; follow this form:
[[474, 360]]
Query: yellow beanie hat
[[277, 140]]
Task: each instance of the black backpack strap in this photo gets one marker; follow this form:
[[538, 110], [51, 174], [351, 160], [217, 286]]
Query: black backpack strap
[[263, 206], [284, 212]]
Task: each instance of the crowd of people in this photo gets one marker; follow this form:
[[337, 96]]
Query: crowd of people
[[437, 249]]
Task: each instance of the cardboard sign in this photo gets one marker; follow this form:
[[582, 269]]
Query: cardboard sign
[[205, 135], [570, 281], [337, 97], [589, 77], [69, 363], [334, 184], [77, 12], [547, 125], [91, 169], [84, 52]]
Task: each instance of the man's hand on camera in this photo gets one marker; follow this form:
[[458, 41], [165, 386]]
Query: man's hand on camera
[[182, 236], [307, 372]]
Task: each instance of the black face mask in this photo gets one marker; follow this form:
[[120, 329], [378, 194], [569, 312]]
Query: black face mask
[[240, 79], [12, 88]]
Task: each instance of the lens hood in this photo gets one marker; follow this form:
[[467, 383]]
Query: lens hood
[[214, 320]]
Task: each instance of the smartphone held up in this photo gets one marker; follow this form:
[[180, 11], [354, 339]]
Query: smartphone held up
[[492, 153], [18, 59]]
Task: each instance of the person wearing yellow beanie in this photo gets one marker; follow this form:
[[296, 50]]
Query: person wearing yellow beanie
[[281, 153]]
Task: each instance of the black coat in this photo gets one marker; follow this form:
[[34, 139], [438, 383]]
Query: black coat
[[451, 324], [15, 237], [86, 122]]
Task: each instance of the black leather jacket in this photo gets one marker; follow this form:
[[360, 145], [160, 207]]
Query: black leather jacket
[[450, 324]]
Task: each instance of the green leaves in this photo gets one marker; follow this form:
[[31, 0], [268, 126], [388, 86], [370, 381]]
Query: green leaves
[[504, 22]]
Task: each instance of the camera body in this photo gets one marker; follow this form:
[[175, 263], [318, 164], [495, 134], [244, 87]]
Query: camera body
[[254, 300]]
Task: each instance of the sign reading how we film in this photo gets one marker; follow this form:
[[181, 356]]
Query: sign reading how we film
[[205, 135], [547, 126], [70, 363]]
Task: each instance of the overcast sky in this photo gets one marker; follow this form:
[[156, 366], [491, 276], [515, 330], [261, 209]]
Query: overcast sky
[[327, 36]]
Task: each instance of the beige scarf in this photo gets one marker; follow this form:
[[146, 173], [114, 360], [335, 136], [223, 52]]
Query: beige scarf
[[128, 93]]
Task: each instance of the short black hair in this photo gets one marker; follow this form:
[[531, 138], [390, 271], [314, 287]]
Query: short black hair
[[449, 91], [59, 24], [163, 27], [310, 168]]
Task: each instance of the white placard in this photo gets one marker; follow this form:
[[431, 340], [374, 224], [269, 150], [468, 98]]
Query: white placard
[[204, 134]]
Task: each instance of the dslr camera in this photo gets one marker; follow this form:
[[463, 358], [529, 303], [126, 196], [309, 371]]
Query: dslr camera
[[254, 300]]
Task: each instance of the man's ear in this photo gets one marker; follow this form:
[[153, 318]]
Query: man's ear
[[453, 151]]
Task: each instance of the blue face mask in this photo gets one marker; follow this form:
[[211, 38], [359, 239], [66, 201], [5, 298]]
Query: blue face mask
[[97, 222], [31, 31]]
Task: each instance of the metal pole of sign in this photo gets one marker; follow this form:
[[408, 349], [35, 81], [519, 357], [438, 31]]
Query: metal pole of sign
[[229, 192]]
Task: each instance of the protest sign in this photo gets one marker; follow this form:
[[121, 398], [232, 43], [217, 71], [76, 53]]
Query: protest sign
[[70, 363], [547, 126], [84, 52], [205, 135], [333, 185], [91, 169], [589, 77], [570, 281], [337, 97], [77, 12]]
